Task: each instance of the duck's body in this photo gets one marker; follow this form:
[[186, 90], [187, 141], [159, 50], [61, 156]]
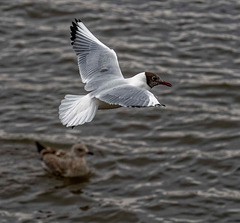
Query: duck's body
[[65, 163]]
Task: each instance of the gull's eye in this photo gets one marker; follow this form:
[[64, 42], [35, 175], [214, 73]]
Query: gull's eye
[[80, 150], [154, 78]]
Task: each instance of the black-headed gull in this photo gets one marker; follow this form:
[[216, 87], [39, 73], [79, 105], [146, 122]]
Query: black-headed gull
[[100, 71], [65, 163]]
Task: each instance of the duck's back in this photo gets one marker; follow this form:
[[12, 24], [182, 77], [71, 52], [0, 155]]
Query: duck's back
[[65, 165]]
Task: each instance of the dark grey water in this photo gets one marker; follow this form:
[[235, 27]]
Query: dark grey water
[[178, 164]]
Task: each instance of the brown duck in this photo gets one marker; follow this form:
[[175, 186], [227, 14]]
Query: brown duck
[[65, 163]]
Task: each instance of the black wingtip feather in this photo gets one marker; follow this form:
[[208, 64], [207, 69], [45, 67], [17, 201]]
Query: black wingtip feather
[[74, 25], [74, 29], [78, 20]]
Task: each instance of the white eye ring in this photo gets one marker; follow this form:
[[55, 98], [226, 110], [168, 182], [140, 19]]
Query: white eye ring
[[154, 78]]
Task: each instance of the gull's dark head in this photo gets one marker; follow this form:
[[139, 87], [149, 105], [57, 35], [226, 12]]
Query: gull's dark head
[[154, 80]]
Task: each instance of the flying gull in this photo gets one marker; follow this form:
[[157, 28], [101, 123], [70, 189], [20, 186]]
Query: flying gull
[[104, 82]]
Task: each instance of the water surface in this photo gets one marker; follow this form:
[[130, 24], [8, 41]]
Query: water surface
[[177, 164]]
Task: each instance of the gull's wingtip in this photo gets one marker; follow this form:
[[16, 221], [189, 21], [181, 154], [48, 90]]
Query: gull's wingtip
[[74, 28], [78, 20]]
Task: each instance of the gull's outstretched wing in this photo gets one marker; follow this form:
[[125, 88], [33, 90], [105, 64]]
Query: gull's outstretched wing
[[128, 96], [97, 63]]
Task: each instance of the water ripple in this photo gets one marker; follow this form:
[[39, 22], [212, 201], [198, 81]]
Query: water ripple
[[177, 164]]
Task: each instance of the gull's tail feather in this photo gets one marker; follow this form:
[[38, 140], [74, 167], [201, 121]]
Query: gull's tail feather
[[77, 109]]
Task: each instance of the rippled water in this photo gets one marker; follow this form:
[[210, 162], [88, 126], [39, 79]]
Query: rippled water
[[178, 164]]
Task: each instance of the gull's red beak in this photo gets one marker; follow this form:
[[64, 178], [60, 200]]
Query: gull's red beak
[[165, 83]]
